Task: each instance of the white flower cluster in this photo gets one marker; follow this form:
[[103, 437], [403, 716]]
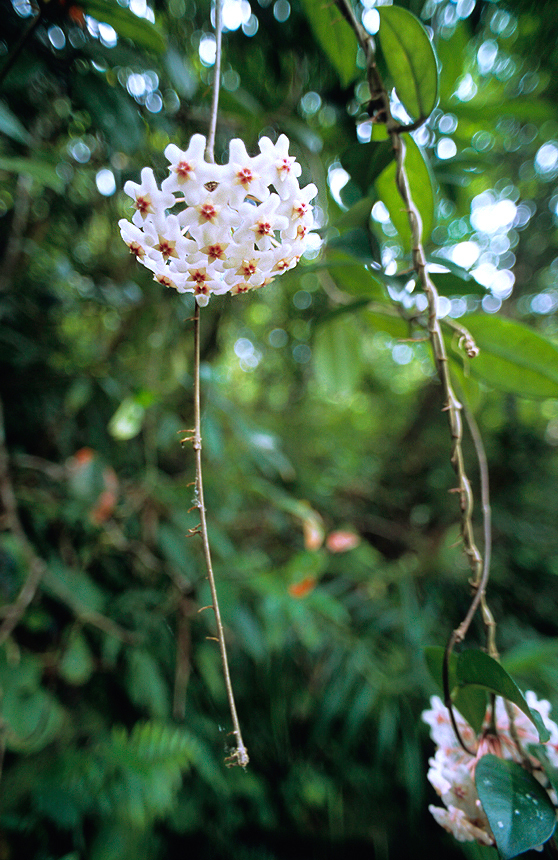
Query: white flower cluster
[[234, 227], [452, 770]]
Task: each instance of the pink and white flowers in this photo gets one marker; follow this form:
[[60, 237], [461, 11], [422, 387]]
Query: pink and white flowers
[[213, 229], [452, 770]]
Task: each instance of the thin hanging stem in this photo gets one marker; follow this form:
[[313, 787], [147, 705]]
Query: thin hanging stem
[[239, 756], [210, 147]]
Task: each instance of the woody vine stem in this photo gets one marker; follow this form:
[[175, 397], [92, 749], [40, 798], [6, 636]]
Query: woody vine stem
[[480, 569], [239, 755]]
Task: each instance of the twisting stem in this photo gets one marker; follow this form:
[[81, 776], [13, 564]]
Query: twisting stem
[[239, 755], [380, 101], [209, 150]]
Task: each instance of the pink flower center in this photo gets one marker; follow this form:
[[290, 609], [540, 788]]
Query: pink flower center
[[144, 204], [245, 176], [183, 170]]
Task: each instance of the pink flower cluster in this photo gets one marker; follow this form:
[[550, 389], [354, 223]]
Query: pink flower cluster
[[452, 770], [214, 228]]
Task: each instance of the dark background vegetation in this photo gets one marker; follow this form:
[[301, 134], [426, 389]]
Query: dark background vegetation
[[113, 714]]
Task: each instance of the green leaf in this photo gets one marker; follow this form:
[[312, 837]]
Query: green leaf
[[513, 357], [410, 59], [127, 421], [365, 161], [476, 667], [77, 664], [357, 216], [12, 127], [41, 171], [145, 683], [143, 33], [391, 324], [356, 280], [359, 243], [337, 356], [519, 811], [469, 701], [112, 110], [451, 284], [335, 37], [422, 191]]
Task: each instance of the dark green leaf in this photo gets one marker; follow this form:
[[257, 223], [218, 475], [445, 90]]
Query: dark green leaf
[[357, 216], [335, 37], [469, 701], [450, 284], [513, 357], [359, 243], [422, 192], [476, 667], [143, 33], [410, 59], [365, 161], [519, 811]]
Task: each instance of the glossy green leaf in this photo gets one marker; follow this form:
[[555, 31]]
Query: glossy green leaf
[[450, 284], [39, 170], [422, 192], [519, 811], [476, 667], [410, 59], [335, 37], [142, 32], [337, 356], [513, 357]]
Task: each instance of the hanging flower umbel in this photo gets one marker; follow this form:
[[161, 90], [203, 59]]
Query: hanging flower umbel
[[214, 228], [452, 770]]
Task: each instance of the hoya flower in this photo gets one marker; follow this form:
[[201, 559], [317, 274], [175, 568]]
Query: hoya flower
[[452, 770], [212, 229]]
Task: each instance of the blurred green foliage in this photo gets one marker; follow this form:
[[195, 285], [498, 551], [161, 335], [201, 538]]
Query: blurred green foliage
[[322, 419]]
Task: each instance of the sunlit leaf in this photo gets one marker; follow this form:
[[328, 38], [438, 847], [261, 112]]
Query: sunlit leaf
[[422, 192], [410, 59], [519, 810], [143, 33], [127, 421], [335, 37], [513, 357], [478, 668]]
